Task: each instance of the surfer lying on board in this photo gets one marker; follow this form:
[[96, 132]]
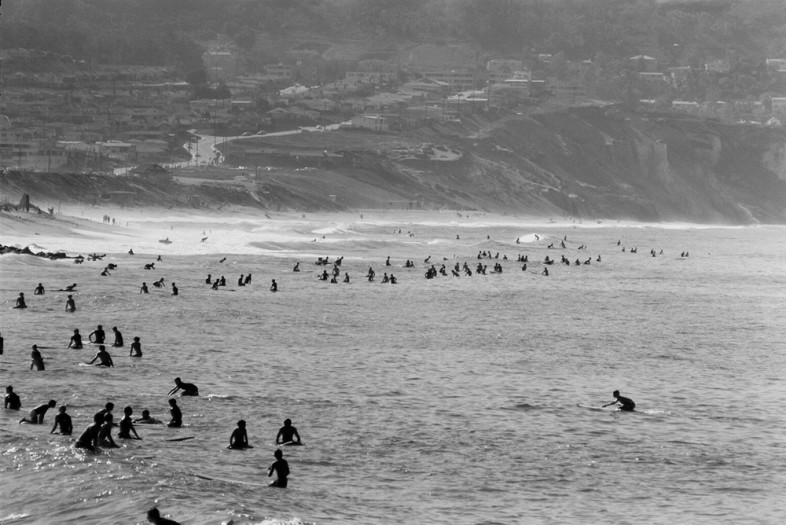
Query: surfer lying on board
[[239, 438], [281, 468], [146, 419], [189, 389], [626, 403], [287, 434]]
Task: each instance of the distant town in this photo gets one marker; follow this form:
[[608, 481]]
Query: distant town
[[59, 113]]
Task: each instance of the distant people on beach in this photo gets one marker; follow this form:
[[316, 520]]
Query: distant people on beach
[[136, 348], [239, 438], [76, 340], [626, 404], [118, 337], [36, 416], [103, 357], [70, 304], [37, 362], [189, 389], [20, 301], [39, 290], [11, 401], [63, 420], [281, 468], [287, 434]]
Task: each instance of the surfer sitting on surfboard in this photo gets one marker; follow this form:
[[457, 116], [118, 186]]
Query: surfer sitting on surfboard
[[626, 403], [239, 438], [287, 434]]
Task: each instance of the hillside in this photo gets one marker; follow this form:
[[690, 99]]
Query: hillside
[[586, 163]]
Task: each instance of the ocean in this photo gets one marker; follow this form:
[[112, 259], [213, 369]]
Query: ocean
[[471, 399]]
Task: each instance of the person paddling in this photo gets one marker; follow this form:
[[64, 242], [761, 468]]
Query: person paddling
[[626, 403]]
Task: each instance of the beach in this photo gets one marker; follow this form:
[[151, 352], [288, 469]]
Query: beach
[[470, 399]]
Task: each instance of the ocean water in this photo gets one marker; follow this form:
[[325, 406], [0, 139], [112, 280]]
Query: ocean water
[[447, 400]]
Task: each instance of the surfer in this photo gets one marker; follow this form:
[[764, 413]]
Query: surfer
[[118, 337], [76, 340], [287, 434], [97, 336], [146, 419], [12, 401], [174, 289], [20, 301], [626, 403], [36, 416], [189, 389], [177, 415], [209, 279], [37, 360], [136, 348], [239, 438], [89, 438], [63, 420], [144, 288], [296, 268], [127, 426], [70, 304], [240, 281], [39, 290], [103, 356], [130, 251], [154, 517], [69, 288], [105, 273], [281, 468], [105, 433], [346, 277], [273, 286]]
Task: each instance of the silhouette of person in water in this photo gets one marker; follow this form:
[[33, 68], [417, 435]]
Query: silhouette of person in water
[[97, 336], [239, 438], [189, 389], [39, 290], [626, 403], [136, 348], [154, 517], [281, 468], [118, 337], [177, 415], [127, 425], [12, 401], [76, 340], [146, 419], [20, 301], [287, 434], [89, 438], [103, 357], [37, 361], [63, 420], [36, 416]]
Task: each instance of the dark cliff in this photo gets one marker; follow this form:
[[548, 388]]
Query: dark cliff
[[595, 163]]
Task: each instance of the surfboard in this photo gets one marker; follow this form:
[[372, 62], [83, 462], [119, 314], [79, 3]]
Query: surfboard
[[179, 439], [227, 480], [601, 409], [292, 444]]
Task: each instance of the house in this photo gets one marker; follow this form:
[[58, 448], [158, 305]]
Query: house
[[644, 63], [462, 79], [370, 122], [685, 105], [294, 92], [779, 105], [369, 77]]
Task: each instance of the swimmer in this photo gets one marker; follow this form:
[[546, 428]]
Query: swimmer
[[287, 434], [127, 426], [146, 419], [70, 304], [97, 336], [63, 420], [36, 416], [89, 438], [273, 286], [12, 401], [103, 356], [76, 340], [144, 288], [136, 348], [118, 338], [154, 517], [105, 433], [37, 360], [281, 468], [177, 415], [20, 301], [189, 389], [239, 438], [626, 404], [39, 290]]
